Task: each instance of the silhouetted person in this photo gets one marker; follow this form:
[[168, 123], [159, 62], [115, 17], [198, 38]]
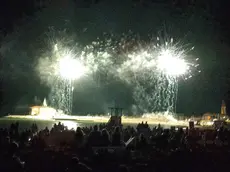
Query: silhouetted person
[[77, 166], [142, 142], [116, 137], [105, 138], [94, 137], [12, 162], [79, 137]]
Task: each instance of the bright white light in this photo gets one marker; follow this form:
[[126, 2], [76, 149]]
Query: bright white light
[[171, 64], [70, 68]]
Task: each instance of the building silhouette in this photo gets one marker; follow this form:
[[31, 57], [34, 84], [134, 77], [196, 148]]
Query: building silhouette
[[223, 109]]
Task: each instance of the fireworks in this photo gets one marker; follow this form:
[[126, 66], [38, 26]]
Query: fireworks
[[171, 65], [152, 69], [70, 68], [59, 71], [175, 60]]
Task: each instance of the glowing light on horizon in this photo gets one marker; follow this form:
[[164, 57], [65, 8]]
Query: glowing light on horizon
[[164, 118]]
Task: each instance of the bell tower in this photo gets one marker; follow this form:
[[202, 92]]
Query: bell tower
[[223, 109]]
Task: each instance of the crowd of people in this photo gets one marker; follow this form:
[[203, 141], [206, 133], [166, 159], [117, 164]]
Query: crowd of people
[[99, 148]]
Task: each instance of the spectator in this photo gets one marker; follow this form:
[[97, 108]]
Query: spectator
[[11, 162], [94, 137], [141, 142], [79, 137], [116, 137], [75, 165], [105, 138]]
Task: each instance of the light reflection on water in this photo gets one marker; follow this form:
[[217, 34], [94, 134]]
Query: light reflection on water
[[70, 124]]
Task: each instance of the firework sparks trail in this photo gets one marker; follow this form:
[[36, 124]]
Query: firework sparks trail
[[151, 69], [105, 55], [157, 69], [63, 65], [59, 70]]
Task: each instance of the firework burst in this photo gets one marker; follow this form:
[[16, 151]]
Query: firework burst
[[59, 69], [154, 70]]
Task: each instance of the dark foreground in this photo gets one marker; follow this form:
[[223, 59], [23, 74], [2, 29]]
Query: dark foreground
[[117, 149]]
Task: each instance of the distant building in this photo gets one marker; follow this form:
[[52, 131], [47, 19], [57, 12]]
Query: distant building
[[223, 111], [209, 116], [221, 115], [43, 111]]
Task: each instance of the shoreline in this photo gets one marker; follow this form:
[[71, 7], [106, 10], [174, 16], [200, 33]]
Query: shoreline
[[154, 120]]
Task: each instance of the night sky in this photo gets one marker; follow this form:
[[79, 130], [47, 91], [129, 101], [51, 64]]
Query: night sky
[[25, 25]]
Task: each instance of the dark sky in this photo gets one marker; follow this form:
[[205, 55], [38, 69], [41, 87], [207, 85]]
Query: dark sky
[[204, 24]]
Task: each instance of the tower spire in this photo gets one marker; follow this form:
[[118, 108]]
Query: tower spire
[[223, 108], [44, 102]]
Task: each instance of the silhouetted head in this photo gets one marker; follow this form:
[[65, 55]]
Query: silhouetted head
[[141, 137], [78, 129], [13, 148], [74, 160], [104, 132], [95, 128], [117, 130]]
